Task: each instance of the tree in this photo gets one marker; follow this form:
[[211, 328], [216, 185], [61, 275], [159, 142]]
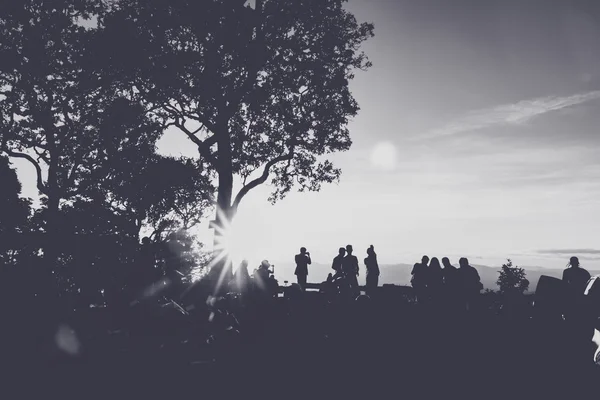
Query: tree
[[262, 91], [42, 101], [512, 279], [93, 149], [14, 214]]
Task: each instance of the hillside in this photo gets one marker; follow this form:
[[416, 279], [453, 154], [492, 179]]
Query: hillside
[[399, 274]]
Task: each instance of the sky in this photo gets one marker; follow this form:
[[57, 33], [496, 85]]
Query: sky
[[477, 137]]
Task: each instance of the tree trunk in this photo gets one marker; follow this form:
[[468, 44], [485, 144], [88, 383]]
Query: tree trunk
[[51, 248], [221, 270]]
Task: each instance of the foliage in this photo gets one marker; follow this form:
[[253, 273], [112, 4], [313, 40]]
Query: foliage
[[182, 251], [92, 147], [260, 90], [512, 279], [14, 214]]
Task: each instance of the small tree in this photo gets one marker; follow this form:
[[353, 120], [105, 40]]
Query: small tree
[[512, 279]]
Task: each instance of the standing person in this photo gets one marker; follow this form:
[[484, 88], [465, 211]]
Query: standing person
[[338, 261], [470, 284], [302, 263], [174, 251], [435, 281], [451, 283], [350, 268], [419, 279], [261, 276], [576, 279], [241, 279], [372, 270]]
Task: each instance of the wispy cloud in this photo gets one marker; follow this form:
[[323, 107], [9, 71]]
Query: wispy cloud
[[570, 251], [512, 114]]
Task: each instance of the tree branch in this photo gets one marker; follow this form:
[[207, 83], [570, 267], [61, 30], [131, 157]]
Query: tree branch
[[203, 146], [40, 180], [261, 179]]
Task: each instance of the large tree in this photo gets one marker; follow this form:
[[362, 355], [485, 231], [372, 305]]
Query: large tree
[[260, 88], [92, 147], [41, 97]]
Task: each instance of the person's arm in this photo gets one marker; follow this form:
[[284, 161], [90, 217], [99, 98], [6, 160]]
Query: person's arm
[[308, 258]]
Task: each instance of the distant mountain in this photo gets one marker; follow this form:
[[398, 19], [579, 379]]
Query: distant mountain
[[399, 274]]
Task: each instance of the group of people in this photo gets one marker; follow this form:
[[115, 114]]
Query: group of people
[[432, 283], [345, 266], [262, 282], [450, 285]]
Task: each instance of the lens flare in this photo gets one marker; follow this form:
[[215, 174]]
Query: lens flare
[[226, 250]]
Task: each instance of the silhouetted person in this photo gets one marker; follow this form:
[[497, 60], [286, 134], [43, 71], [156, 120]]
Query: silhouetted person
[[174, 250], [419, 279], [261, 274], [338, 261], [350, 268], [576, 279], [575, 276], [372, 270], [451, 283], [435, 279], [470, 283], [302, 263], [241, 279]]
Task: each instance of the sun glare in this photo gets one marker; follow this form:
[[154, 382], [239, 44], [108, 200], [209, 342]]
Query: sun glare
[[383, 156], [228, 245]]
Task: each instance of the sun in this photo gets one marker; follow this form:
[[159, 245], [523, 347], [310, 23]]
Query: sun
[[383, 156], [227, 247]]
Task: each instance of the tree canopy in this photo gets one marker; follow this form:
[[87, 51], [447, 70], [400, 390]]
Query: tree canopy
[[261, 90]]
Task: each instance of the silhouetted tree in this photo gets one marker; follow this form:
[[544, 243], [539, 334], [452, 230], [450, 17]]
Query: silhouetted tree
[[42, 101], [512, 279], [14, 215], [260, 89], [92, 148]]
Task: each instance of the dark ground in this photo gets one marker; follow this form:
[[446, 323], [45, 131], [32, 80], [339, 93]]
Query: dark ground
[[373, 350]]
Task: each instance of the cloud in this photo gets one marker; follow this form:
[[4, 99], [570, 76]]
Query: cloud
[[570, 251], [512, 114]]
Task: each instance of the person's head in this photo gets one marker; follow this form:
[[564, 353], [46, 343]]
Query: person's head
[[302, 250], [342, 251], [425, 260], [463, 262], [146, 240], [371, 250], [445, 262], [265, 264], [244, 264], [349, 249], [435, 263], [574, 262]]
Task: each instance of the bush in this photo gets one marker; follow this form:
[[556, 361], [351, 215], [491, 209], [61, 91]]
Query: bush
[[512, 279]]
